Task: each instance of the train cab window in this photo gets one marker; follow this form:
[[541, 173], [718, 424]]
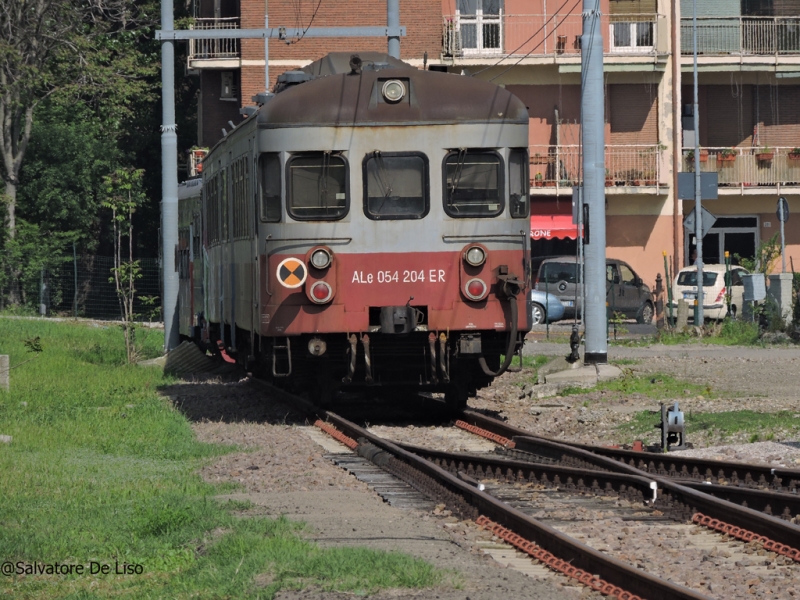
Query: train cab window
[[395, 185], [269, 186], [518, 184], [473, 183], [317, 186]]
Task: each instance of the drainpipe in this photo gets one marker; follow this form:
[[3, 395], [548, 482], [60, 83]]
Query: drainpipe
[[677, 146]]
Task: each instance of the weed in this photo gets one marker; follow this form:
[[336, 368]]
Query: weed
[[753, 438], [657, 386]]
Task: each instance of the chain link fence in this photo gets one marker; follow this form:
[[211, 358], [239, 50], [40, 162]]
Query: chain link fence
[[81, 286]]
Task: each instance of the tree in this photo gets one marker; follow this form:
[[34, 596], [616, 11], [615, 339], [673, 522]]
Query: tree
[[52, 46], [124, 195]]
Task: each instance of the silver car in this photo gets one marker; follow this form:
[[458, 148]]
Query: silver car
[[545, 307]]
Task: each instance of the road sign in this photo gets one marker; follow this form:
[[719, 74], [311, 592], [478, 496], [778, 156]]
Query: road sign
[[709, 184], [708, 221], [783, 210]]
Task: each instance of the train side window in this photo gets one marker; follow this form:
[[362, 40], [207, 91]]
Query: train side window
[[473, 183], [269, 186], [396, 185], [317, 186], [519, 186]]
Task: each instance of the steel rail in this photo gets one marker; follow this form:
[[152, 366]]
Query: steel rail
[[669, 465], [581, 556]]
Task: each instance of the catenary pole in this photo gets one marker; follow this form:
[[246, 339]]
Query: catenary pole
[[169, 182], [593, 142], [393, 21], [699, 317]]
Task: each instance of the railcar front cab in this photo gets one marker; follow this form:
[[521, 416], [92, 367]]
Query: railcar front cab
[[477, 183]]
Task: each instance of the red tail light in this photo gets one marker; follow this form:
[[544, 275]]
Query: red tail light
[[321, 292], [475, 289], [721, 296]]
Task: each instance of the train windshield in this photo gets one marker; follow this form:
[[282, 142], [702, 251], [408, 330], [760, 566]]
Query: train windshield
[[317, 186], [473, 183], [395, 186]]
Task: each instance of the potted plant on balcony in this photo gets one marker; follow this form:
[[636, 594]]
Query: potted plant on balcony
[[727, 155], [538, 159], [765, 154], [703, 155], [609, 179], [794, 153], [538, 180], [650, 178]]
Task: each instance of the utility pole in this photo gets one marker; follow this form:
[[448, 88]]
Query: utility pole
[[169, 183], [699, 317], [169, 138], [594, 217]]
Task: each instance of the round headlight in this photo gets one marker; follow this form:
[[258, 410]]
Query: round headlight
[[393, 90], [475, 256], [321, 258]]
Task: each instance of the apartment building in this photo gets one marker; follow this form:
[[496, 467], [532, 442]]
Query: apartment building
[[749, 102]]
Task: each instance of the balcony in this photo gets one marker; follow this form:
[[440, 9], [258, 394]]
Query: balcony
[[487, 36], [627, 168], [746, 170], [213, 52], [742, 36]]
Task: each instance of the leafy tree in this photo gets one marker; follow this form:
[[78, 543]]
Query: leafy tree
[[49, 47]]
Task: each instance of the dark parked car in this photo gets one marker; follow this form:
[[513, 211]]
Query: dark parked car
[[626, 293]]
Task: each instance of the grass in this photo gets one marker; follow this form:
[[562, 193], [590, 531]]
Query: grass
[[103, 469], [657, 386], [531, 363], [731, 333], [747, 424]]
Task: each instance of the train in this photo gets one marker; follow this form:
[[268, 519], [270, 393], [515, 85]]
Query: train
[[365, 230]]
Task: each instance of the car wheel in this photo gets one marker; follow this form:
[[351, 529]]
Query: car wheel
[[537, 314], [646, 316]]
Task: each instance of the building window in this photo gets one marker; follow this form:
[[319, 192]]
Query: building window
[[473, 183], [396, 185], [632, 36], [269, 189], [229, 90], [481, 25], [518, 184], [317, 186]]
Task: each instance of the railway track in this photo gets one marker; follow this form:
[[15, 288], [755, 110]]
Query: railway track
[[538, 494]]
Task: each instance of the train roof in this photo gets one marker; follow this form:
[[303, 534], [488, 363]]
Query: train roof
[[331, 97]]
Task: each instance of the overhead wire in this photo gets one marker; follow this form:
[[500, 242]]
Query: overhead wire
[[313, 16]]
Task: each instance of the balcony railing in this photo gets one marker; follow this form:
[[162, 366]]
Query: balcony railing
[[748, 167], [214, 48], [742, 35], [544, 35], [560, 166]]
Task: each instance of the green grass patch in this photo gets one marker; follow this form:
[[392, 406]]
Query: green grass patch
[[731, 333], [756, 426], [102, 469], [624, 362], [658, 386]]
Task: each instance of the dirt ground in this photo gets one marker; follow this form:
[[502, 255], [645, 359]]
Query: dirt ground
[[281, 470]]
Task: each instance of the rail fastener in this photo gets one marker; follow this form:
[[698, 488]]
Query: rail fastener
[[485, 433], [746, 535], [553, 562], [336, 434]]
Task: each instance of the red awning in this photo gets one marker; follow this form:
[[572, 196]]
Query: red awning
[[547, 227]]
